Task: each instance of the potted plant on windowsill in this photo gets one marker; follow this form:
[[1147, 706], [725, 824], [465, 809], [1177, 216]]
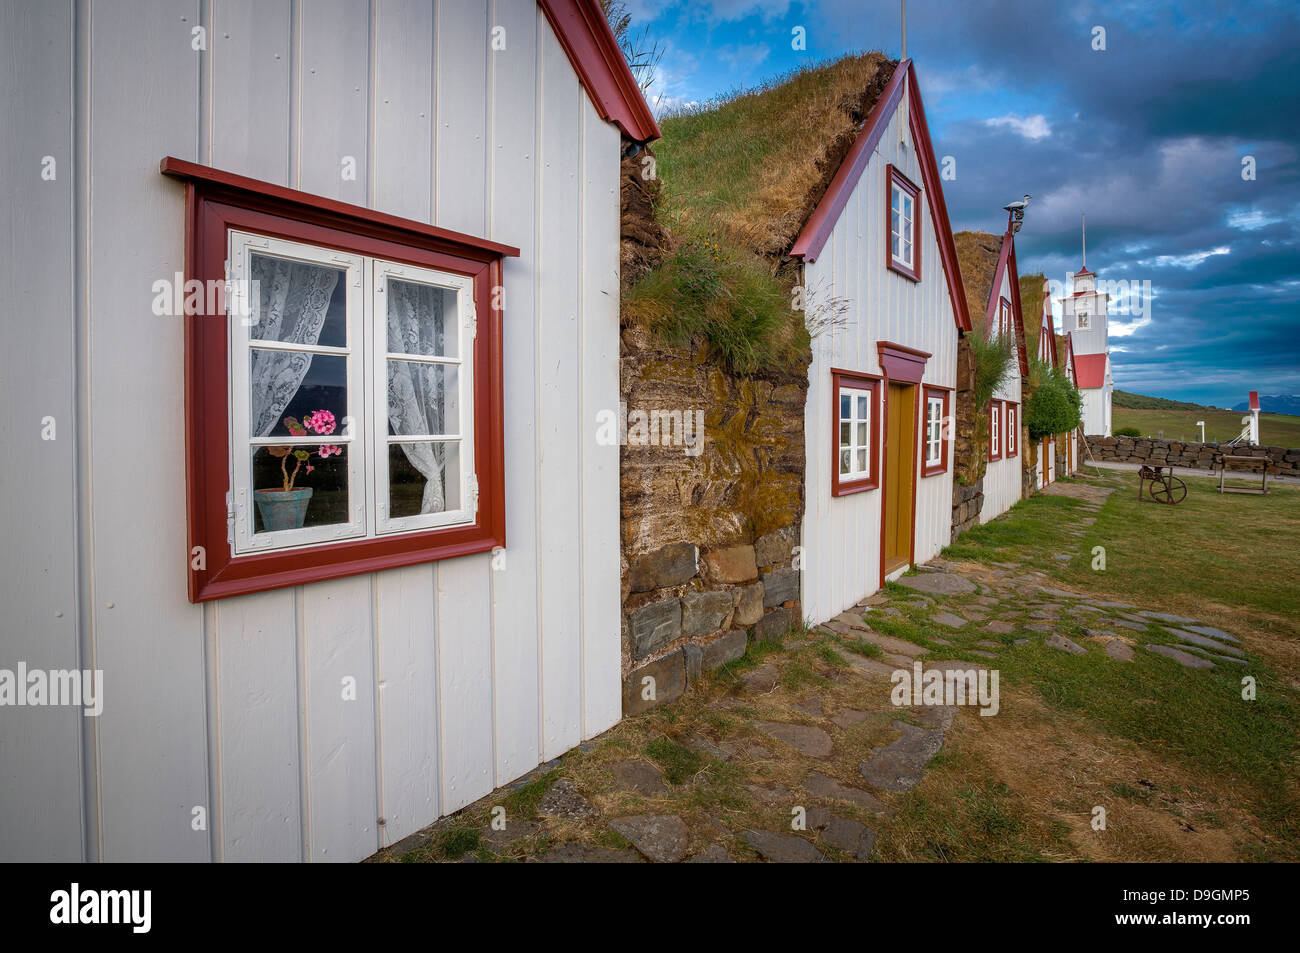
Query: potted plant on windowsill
[[286, 508]]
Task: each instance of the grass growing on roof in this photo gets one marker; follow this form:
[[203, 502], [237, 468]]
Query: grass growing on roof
[[739, 177]]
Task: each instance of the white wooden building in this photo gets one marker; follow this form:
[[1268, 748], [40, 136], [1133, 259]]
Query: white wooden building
[[447, 616], [1084, 319], [881, 383], [1003, 316]]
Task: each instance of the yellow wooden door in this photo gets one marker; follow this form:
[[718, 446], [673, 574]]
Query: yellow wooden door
[[900, 460]]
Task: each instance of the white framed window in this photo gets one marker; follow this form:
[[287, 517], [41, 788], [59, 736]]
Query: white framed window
[[855, 434], [901, 234], [1082, 319], [351, 386], [1011, 430], [934, 431], [424, 376], [995, 431]]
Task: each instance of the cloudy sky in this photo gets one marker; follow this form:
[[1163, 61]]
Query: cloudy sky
[[1147, 136]]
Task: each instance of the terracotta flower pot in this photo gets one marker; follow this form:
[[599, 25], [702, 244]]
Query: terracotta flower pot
[[283, 509]]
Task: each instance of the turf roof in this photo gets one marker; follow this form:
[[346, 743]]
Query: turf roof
[[977, 254], [750, 168]]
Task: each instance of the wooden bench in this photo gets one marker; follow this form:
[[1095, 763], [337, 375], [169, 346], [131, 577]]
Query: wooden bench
[[1231, 461]]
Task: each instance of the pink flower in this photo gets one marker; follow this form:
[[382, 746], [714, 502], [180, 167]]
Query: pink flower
[[310, 468], [329, 450], [321, 421]]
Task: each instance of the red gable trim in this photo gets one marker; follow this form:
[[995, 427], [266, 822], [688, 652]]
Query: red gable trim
[[1014, 280], [1007, 262], [1254, 400], [817, 230], [589, 43], [1084, 271], [1090, 370]]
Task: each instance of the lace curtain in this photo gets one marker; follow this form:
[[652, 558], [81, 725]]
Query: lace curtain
[[293, 299], [416, 397]]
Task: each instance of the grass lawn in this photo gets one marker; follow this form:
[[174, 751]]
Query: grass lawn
[[1229, 561], [1277, 430]]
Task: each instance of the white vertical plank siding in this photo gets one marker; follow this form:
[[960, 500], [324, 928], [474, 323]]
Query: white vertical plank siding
[[515, 220], [256, 680], [148, 639], [40, 748], [558, 349], [334, 93], [466, 676], [1002, 479], [339, 686], [407, 690], [841, 535], [250, 75], [598, 340]]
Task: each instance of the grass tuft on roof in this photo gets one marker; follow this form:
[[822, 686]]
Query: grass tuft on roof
[[977, 255], [739, 178]]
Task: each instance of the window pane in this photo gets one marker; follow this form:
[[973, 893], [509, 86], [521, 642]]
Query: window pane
[[862, 461], [844, 460], [298, 302], [846, 405], [896, 199], [894, 248], [423, 478], [318, 495], [306, 389], [862, 407], [862, 434], [423, 398], [846, 433], [422, 319]]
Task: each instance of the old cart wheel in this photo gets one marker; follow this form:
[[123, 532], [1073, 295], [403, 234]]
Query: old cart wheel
[[1170, 490]]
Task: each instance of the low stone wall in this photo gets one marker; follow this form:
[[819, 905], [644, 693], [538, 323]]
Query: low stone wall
[[709, 536], [1203, 456], [967, 501]]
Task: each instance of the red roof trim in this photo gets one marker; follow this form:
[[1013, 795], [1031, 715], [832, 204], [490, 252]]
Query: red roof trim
[[1084, 271], [1089, 370], [1014, 280], [939, 208], [817, 230], [589, 43]]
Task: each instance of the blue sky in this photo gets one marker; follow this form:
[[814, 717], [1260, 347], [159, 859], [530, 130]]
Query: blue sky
[[1147, 137]]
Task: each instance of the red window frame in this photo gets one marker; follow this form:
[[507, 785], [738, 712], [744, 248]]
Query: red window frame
[[217, 202], [869, 382], [1011, 434], [995, 429], [1004, 318], [894, 177], [929, 391]]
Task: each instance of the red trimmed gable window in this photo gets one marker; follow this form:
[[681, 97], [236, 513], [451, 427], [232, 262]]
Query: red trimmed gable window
[[857, 430], [935, 436], [903, 224], [344, 405], [1012, 415], [1004, 319]]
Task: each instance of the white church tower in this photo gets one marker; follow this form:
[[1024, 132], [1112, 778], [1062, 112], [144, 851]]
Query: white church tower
[[1083, 317]]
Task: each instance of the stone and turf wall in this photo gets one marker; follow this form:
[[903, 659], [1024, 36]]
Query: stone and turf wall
[[1204, 456], [709, 536]]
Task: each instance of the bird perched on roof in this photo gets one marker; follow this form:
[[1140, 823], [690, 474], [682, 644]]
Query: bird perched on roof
[[1016, 214]]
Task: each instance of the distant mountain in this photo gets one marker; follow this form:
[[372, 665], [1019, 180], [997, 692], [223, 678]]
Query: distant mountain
[[1275, 404], [1122, 398]]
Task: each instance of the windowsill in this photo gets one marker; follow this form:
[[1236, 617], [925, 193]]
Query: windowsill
[[858, 486], [936, 470], [899, 268]]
